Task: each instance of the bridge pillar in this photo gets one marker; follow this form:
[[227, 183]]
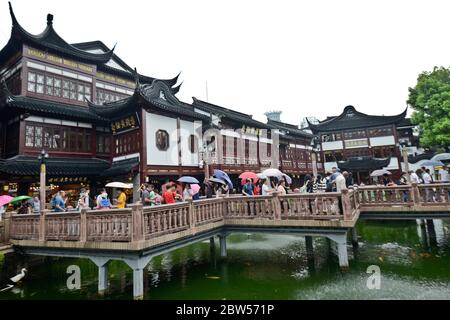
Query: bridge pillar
[[431, 232], [309, 246], [102, 264], [354, 237], [138, 265], [341, 242], [223, 245], [211, 244]]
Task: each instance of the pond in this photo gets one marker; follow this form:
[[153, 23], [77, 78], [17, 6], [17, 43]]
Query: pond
[[260, 266]]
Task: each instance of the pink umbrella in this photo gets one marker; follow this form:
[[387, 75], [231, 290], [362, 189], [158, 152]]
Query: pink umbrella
[[195, 188], [5, 200]]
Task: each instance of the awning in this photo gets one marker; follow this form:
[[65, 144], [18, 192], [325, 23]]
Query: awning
[[56, 167]]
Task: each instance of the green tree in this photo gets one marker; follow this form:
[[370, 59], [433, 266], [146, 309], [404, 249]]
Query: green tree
[[430, 99]]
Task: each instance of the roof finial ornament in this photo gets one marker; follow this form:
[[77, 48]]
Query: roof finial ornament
[[5, 89], [49, 19], [136, 79], [13, 16]]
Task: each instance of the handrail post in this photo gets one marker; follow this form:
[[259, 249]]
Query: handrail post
[[346, 206], [137, 222], [191, 214], [42, 225], [415, 194], [277, 206], [83, 225], [7, 220]]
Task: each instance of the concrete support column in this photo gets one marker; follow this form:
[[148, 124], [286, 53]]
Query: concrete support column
[[354, 237], [138, 265], [309, 246], [212, 244], [341, 242], [102, 264], [223, 245], [431, 232], [138, 284]]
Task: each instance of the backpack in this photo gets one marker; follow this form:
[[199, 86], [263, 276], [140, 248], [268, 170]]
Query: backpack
[[105, 203]]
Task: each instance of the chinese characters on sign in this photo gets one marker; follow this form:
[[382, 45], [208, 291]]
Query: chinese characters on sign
[[67, 179], [124, 124], [356, 143], [250, 130]]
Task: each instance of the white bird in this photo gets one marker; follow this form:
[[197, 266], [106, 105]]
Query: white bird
[[19, 277], [14, 280]]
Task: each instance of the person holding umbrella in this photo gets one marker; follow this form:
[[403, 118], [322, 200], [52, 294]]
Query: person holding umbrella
[[121, 200], [187, 192]]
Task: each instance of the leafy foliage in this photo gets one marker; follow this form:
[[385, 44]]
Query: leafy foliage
[[430, 99]]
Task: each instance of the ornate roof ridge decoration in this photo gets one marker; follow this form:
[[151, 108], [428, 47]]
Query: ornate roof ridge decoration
[[289, 128], [155, 95], [50, 39], [350, 118], [223, 113], [200, 102]]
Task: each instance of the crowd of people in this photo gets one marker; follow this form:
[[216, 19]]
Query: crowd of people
[[172, 192]]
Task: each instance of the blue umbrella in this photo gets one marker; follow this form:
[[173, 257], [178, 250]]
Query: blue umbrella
[[222, 175], [433, 163], [187, 179]]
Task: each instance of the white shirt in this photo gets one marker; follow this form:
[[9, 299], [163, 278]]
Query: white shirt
[[265, 190], [444, 175], [340, 183], [414, 178], [427, 178]]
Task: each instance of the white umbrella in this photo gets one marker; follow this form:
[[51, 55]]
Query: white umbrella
[[261, 176], [433, 163], [379, 173], [272, 172], [287, 178], [120, 185]]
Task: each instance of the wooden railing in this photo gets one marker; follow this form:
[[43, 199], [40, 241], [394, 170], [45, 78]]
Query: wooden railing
[[311, 206], [433, 194], [138, 223], [395, 195], [159, 220], [251, 207], [405, 195]]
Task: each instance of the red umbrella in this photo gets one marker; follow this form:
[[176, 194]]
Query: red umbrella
[[248, 175]]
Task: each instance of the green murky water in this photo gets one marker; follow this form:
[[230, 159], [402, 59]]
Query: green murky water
[[261, 266]]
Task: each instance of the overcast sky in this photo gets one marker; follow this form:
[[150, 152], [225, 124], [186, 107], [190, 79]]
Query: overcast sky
[[306, 58]]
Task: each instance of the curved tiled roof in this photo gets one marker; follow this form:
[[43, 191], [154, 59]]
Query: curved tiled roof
[[363, 163], [148, 95], [51, 108], [288, 128], [352, 119], [50, 39]]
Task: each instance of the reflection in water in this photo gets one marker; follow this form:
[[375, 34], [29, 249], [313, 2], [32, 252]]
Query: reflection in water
[[261, 266]]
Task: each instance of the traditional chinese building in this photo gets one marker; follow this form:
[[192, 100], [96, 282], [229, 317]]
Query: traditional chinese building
[[99, 120], [361, 143], [46, 86]]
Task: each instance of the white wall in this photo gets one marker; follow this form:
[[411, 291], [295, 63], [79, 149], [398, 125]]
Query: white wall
[[393, 164], [329, 165], [332, 145], [382, 141], [187, 128], [154, 123]]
